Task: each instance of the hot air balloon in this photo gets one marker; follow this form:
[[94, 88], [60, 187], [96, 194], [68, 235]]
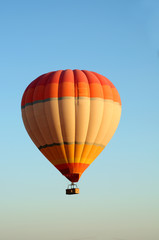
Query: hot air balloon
[[71, 115]]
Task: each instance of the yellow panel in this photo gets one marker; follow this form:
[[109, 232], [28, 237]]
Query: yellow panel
[[95, 151], [86, 150], [69, 148], [78, 152]]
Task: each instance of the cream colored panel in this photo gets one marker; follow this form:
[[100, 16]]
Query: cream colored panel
[[96, 115], [53, 119], [33, 124], [114, 123], [40, 116], [67, 119], [106, 120], [82, 109], [26, 124], [82, 121]]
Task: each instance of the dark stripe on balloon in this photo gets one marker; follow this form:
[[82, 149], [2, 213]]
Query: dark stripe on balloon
[[51, 99], [69, 143]]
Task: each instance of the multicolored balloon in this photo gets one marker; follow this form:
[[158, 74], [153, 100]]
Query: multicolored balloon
[[71, 115]]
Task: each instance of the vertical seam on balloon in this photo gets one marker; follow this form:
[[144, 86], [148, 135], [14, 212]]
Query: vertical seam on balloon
[[55, 149], [33, 113], [29, 122], [111, 117], [60, 79], [88, 121], [111, 122], [64, 154], [75, 101], [100, 123], [37, 121], [29, 128], [102, 114], [27, 118]]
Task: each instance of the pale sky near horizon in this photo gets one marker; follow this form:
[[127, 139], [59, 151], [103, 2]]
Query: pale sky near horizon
[[119, 196]]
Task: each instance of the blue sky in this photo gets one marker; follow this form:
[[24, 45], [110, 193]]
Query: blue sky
[[119, 39]]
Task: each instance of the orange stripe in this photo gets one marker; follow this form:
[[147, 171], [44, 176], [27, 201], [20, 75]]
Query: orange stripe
[[107, 91], [91, 77], [103, 80], [38, 93], [96, 90], [54, 77], [80, 76], [70, 83], [67, 76], [66, 89], [29, 95], [51, 90], [82, 89], [116, 96]]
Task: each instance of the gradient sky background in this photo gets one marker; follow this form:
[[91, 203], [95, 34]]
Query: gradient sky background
[[119, 197]]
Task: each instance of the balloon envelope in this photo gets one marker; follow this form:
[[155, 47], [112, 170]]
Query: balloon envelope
[[71, 115]]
